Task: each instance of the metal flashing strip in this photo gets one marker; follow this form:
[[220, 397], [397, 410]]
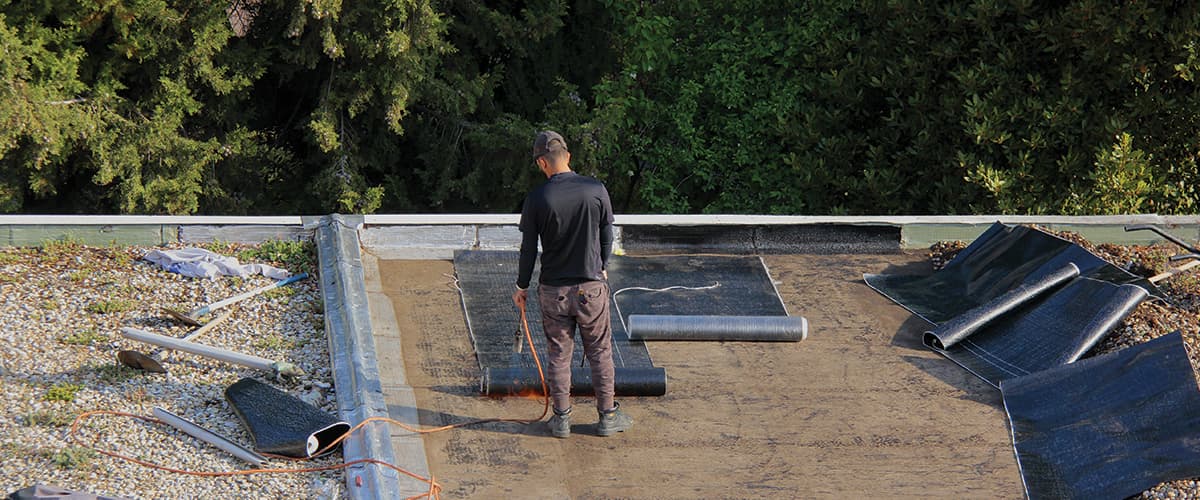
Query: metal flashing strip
[[436, 236], [355, 369], [99, 230], [134, 220]]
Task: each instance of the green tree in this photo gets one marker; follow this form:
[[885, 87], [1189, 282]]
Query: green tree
[[903, 106], [159, 107], [515, 68]]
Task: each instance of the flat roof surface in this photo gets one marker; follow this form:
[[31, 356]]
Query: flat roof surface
[[860, 407]]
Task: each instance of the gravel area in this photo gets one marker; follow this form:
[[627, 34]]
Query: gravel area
[[62, 307]]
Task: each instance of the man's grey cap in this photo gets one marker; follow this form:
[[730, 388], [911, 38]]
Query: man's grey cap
[[547, 141]]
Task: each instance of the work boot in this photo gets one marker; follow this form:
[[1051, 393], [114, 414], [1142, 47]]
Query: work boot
[[613, 421], [560, 423]]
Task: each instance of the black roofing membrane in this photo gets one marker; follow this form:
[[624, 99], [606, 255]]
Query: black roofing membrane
[[761, 240], [1057, 327], [676, 285], [1001, 259], [1110, 426]]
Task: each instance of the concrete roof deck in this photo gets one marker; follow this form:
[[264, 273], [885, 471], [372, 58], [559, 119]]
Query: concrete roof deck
[[858, 408]]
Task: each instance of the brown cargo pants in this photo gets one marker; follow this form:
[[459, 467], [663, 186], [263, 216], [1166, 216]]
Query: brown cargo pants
[[563, 308]]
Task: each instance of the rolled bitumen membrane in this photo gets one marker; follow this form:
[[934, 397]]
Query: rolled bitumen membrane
[[513, 381], [949, 333], [280, 423], [730, 328], [999, 260], [1057, 327], [1110, 426]]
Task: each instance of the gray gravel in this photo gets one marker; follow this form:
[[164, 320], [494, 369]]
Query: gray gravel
[[62, 308]]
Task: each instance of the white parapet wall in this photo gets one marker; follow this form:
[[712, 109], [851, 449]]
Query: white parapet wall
[[437, 236]]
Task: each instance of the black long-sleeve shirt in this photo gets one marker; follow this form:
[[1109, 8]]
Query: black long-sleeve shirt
[[572, 215]]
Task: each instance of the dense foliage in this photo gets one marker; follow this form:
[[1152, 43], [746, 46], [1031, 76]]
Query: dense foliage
[[689, 106]]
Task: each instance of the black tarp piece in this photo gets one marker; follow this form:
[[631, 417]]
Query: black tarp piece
[[280, 423], [1110, 426], [999, 260], [677, 285], [1049, 328]]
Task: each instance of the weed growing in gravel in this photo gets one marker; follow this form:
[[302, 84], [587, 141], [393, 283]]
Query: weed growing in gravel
[[120, 258], [113, 373], [49, 418], [110, 306], [316, 306], [50, 305], [8, 278], [62, 391], [9, 258], [274, 341], [66, 245], [71, 457], [296, 256], [278, 293], [79, 276], [84, 337], [218, 246]]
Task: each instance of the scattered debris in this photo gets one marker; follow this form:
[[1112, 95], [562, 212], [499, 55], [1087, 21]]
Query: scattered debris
[[43, 492], [201, 263], [281, 423], [153, 362], [209, 437], [193, 317], [277, 368]]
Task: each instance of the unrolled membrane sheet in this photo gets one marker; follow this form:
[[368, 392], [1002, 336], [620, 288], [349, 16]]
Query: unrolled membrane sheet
[[701, 285], [1109, 426], [692, 285], [487, 280], [999, 260], [1050, 323]]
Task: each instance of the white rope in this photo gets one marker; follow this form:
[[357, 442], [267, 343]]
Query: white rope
[[642, 289]]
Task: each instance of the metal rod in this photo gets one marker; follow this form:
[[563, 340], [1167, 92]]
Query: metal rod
[[159, 353], [210, 437], [1169, 237], [236, 358]]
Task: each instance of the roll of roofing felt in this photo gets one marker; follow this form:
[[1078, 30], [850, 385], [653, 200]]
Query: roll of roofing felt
[[963, 325], [511, 381], [281, 423], [744, 328]]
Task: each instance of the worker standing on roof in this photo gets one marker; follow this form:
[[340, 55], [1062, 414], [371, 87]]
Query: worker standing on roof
[[572, 215]]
